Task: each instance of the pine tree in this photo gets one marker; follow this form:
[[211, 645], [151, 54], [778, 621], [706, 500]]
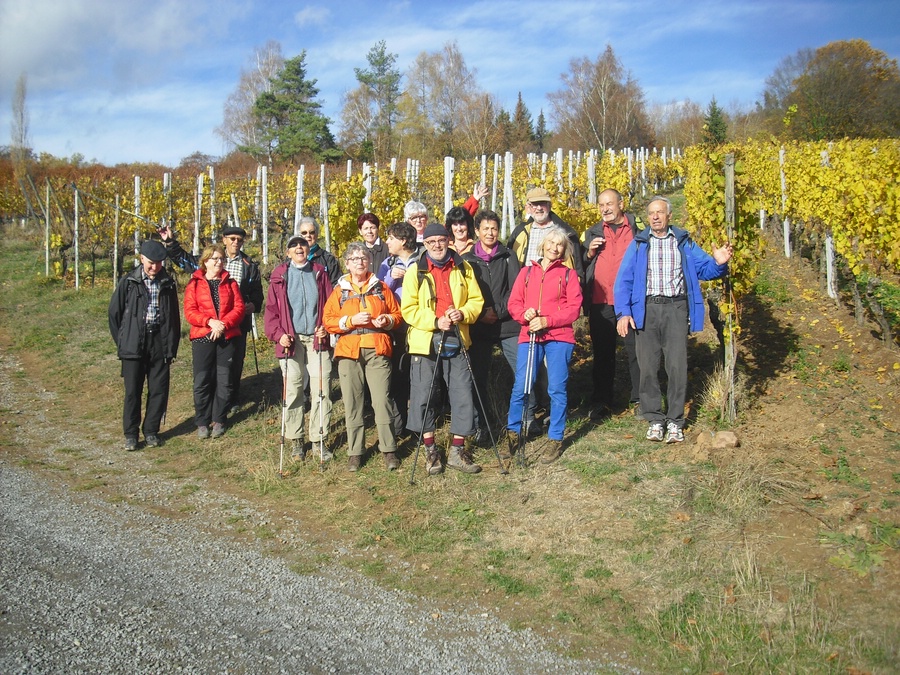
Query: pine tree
[[714, 125], [541, 133], [522, 132], [290, 116]]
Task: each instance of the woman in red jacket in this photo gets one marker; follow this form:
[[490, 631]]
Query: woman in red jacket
[[214, 308], [546, 301]]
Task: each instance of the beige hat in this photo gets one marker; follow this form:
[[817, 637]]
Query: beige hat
[[538, 194]]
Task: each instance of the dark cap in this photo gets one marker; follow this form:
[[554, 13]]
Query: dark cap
[[297, 240], [234, 229], [153, 250], [435, 230]]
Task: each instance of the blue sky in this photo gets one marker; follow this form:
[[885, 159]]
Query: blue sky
[[145, 80]]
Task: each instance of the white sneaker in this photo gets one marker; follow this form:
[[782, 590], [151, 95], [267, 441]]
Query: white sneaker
[[655, 431], [674, 433]]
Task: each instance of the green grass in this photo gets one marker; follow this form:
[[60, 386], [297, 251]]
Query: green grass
[[595, 548]]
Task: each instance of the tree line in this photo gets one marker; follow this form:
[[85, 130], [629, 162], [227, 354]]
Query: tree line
[[436, 107]]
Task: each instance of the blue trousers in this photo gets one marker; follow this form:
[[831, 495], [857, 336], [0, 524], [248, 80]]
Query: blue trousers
[[557, 355]]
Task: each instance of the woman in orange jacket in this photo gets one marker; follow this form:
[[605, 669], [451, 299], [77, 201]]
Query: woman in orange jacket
[[361, 311], [214, 308]]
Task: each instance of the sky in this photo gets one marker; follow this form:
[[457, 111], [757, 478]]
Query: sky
[[121, 81]]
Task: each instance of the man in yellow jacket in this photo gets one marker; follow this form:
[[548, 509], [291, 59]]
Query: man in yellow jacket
[[441, 297]]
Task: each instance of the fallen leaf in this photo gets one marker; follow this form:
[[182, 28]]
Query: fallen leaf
[[682, 517], [811, 496]]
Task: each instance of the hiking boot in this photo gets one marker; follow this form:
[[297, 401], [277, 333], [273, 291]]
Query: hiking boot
[[655, 431], [203, 432], [433, 464], [480, 437], [391, 461], [234, 410], [152, 440], [674, 433], [512, 445], [552, 451], [460, 458], [354, 462], [600, 413], [131, 443], [298, 450], [218, 430], [533, 429], [322, 453]]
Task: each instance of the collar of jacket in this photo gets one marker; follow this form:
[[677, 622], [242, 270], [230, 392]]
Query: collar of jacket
[[680, 235], [346, 283]]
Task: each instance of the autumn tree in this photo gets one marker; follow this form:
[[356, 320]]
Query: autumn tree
[[240, 126], [357, 123], [715, 127], [439, 89], [600, 105], [291, 119], [20, 151], [479, 134], [677, 124], [847, 89]]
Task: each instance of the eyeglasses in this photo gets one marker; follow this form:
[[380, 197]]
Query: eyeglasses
[[357, 259], [239, 240], [308, 233], [300, 244], [539, 205], [217, 260], [436, 242], [421, 216]]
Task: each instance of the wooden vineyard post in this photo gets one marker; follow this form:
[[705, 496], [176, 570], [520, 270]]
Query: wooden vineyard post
[[730, 411]]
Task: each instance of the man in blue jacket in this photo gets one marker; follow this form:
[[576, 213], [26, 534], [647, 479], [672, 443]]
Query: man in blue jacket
[[657, 294]]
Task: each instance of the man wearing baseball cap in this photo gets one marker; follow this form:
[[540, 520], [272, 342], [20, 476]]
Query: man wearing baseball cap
[[242, 269], [144, 323]]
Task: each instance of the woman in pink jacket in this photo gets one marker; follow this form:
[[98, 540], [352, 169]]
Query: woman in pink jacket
[[546, 300]]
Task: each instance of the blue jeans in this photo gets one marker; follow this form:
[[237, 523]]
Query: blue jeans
[[558, 355]]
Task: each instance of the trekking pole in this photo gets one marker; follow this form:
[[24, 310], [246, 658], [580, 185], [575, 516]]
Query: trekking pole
[[321, 415], [253, 336], [529, 377], [283, 414], [462, 346], [437, 364]]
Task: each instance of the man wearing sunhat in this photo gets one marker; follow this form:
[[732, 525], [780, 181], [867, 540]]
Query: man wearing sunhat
[[528, 237], [242, 269], [144, 323]]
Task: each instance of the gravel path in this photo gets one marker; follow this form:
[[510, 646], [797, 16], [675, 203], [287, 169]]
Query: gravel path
[[92, 585]]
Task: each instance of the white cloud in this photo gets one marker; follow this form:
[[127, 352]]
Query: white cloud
[[66, 43], [311, 16]]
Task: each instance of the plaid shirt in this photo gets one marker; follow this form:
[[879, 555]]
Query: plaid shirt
[[235, 267], [536, 241], [152, 315], [664, 273]]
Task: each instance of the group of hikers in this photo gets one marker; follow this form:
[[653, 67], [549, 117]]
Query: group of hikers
[[412, 321]]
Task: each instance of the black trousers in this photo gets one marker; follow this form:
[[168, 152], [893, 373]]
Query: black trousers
[[153, 368], [237, 367], [212, 380], [604, 338]]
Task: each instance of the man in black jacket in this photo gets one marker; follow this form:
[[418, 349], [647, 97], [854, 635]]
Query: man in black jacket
[[145, 325], [243, 270]]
